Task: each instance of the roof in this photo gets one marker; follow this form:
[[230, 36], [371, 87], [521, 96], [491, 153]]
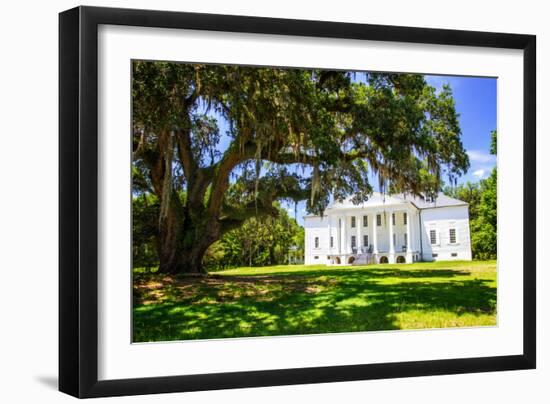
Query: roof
[[440, 201], [378, 199]]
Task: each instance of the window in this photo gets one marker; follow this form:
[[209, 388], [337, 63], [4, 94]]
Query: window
[[365, 221], [454, 254], [353, 221], [366, 240], [379, 220], [331, 241], [433, 237], [405, 239], [316, 242], [316, 257], [393, 219], [405, 218], [353, 242], [434, 255], [452, 236], [394, 239]]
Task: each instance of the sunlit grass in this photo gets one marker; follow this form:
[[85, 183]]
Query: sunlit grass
[[290, 300]]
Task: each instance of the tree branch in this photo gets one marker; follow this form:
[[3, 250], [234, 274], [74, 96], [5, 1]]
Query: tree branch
[[233, 217], [222, 169], [185, 154]]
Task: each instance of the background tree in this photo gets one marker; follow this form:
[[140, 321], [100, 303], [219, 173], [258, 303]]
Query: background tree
[[482, 208], [484, 227], [292, 134], [470, 193], [145, 210], [264, 240]]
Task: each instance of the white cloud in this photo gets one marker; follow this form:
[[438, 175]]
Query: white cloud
[[478, 156], [479, 173]]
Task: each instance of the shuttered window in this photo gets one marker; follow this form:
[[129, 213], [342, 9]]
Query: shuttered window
[[433, 237], [452, 236]]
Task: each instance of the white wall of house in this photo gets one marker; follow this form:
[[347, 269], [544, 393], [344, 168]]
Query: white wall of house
[[316, 227], [441, 221], [445, 222]]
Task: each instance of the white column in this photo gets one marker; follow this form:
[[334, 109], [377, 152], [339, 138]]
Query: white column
[[390, 232], [338, 234], [374, 225], [391, 254], [358, 225], [329, 233], [409, 233], [344, 235]]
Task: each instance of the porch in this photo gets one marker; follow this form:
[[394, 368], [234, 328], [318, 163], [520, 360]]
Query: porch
[[369, 257], [373, 236]]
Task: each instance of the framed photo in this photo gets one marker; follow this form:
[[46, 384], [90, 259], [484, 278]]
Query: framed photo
[[251, 201]]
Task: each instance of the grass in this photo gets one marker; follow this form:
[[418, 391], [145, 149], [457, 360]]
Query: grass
[[290, 300]]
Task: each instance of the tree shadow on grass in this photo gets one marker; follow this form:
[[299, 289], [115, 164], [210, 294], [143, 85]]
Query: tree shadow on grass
[[373, 272], [309, 303]]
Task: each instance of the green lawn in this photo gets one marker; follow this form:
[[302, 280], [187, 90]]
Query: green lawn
[[286, 300]]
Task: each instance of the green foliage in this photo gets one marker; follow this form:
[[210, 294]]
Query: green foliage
[[484, 227], [215, 257], [264, 240], [482, 206], [493, 147], [145, 209], [297, 299], [469, 193], [340, 124]]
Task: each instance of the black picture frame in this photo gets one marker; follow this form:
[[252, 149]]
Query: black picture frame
[[78, 201]]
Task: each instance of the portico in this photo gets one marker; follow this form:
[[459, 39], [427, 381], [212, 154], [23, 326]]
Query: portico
[[365, 236]]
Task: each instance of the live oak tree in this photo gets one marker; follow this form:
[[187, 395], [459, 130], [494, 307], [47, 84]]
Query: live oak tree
[[220, 144]]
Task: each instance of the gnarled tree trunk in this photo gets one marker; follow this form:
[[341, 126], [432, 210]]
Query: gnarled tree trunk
[[184, 238]]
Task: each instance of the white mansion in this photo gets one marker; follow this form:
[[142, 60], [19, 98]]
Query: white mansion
[[389, 229]]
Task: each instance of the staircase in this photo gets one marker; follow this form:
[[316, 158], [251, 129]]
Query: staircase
[[363, 259]]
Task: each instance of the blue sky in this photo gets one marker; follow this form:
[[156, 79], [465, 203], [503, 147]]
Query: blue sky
[[475, 99], [476, 102]]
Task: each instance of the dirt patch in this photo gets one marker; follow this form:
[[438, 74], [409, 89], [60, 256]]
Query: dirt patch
[[223, 289]]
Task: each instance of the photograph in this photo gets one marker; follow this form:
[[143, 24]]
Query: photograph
[[245, 202], [277, 201]]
